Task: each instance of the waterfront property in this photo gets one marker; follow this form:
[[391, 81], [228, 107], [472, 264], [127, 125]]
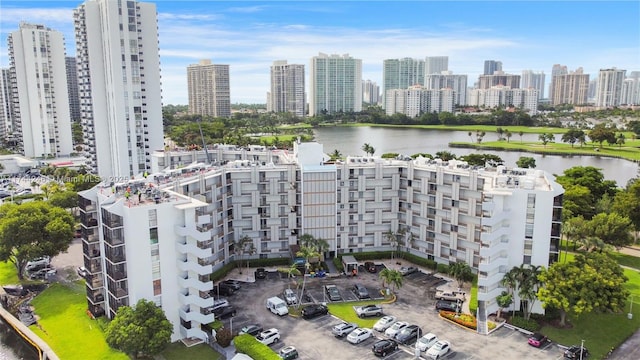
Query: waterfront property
[[160, 237]]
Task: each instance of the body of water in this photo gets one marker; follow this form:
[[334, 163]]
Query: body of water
[[349, 141], [12, 346]]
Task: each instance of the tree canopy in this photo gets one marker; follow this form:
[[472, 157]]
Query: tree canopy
[[33, 229], [592, 282], [526, 162], [142, 330], [627, 203]]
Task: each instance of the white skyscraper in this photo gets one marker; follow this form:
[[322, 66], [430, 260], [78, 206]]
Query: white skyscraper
[[40, 97], [416, 100], [609, 89], [531, 79], [287, 88], [556, 70], [209, 89], [436, 64], [335, 84], [370, 92], [631, 89], [447, 80], [401, 73], [119, 79], [6, 104]]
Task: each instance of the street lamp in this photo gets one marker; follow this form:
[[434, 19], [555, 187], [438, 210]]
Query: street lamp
[[630, 314], [581, 349]]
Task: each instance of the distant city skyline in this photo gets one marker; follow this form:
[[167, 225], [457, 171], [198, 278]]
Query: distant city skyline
[[250, 36]]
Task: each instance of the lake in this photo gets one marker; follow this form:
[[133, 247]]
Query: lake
[[12, 346], [408, 141]]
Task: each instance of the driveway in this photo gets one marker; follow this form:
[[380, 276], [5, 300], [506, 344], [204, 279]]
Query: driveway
[[314, 340]]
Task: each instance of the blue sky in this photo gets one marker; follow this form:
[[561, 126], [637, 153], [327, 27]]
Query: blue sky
[[250, 35]]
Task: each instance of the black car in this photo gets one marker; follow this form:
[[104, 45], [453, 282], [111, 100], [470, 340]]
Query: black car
[[447, 305], [225, 312], [253, 329], [311, 311], [234, 284], [574, 352], [409, 334], [384, 347], [261, 273], [370, 266], [222, 289]]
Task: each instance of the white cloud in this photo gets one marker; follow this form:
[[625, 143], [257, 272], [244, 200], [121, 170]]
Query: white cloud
[[187, 17], [49, 16], [246, 9]]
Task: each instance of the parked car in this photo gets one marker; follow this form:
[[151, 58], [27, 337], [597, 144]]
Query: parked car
[[234, 284], [426, 341], [311, 311], [438, 350], [219, 303], [384, 323], [537, 340], [38, 263], [268, 337], [82, 271], [450, 295], [360, 291], [409, 334], [369, 310], [252, 329], [288, 353], [384, 347], [395, 328], [261, 273], [222, 289], [343, 329], [277, 306], [42, 273], [574, 352], [359, 335], [333, 292], [408, 270], [371, 267], [290, 297], [225, 312], [447, 305]]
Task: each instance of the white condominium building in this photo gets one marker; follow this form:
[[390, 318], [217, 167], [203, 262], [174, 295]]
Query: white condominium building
[[570, 88], [335, 84], [163, 244], [447, 80], [535, 80], [287, 88], [6, 104], [609, 88], [503, 96], [416, 100], [119, 83], [401, 73], [209, 89], [499, 78], [39, 91], [436, 64], [370, 92], [631, 89]]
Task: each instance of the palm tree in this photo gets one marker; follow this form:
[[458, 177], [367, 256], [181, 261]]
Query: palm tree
[[291, 272], [306, 253], [510, 281], [239, 249], [460, 271], [396, 279], [520, 133], [336, 154], [368, 149], [386, 276], [470, 133], [528, 286], [508, 134]]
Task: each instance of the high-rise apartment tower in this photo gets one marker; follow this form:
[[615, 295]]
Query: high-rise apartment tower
[[209, 90], [335, 84], [287, 88]]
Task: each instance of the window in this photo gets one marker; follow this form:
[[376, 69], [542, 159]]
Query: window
[[153, 235], [157, 287]]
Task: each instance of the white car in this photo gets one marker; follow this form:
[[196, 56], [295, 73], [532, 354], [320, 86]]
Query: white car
[[426, 341], [359, 335], [268, 337], [384, 323], [38, 263], [395, 328], [343, 329], [290, 297], [441, 348]]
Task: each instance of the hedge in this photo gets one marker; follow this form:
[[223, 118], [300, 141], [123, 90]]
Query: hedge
[[473, 302], [223, 271], [247, 344], [420, 261], [338, 263], [523, 323], [443, 268]]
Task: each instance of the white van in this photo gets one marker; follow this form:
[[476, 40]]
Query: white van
[[277, 306]]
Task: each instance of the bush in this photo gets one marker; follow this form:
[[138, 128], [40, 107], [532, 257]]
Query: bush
[[473, 302], [530, 325], [222, 272], [338, 263], [247, 344], [224, 337], [443, 268], [374, 255], [466, 320]]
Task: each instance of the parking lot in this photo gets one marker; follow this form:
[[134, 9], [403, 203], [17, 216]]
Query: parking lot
[[415, 304]]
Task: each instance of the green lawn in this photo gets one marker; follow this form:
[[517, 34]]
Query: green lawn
[[177, 351], [8, 273], [346, 312], [486, 128], [626, 260], [67, 328]]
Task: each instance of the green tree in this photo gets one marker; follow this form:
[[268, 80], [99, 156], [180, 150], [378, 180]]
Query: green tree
[[141, 331], [33, 229], [504, 300], [445, 155], [307, 253], [592, 282], [546, 138], [508, 134], [240, 247], [578, 201], [526, 162], [64, 199], [500, 132], [572, 136], [627, 203], [82, 182], [620, 139], [613, 229], [76, 131], [590, 177], [520, 133], [368, 149], [460, 271], [396, 279], [386, 276], [601, 133], [510, 282], [528, 285], [336, 154]]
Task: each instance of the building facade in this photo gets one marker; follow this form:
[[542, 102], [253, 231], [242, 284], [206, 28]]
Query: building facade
[[335, 84], [631, 89], [556, 70], [499, 78], [436, 64], [40, 96], [209, 90], [532, 79], [491, 66], [287, 88], [447, 80], [417, 100], [119, 85], [370, 92], [570, 88], [401, 73], [502, 96], [609, 88], [72, 87], [6, 104]]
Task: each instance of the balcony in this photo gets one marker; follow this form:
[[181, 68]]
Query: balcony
[[187, 265], [191, 231], [203, 219], [193, 249], [489, 237], [493, 248], [197, 316], [195, 299], [195, 283], [492, 294], [492, 264], [95, 297], [495, 219]]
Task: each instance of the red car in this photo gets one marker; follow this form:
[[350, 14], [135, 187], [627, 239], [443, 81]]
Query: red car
[[537, 340]]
